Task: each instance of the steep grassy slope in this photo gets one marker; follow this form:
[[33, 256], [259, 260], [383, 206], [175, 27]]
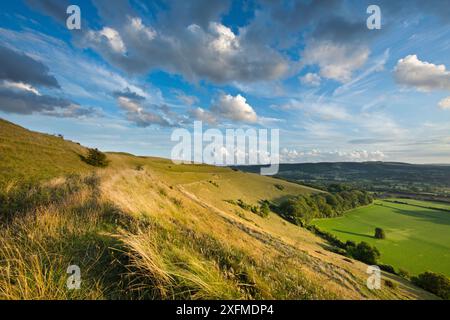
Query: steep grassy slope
[[146, 228], [30, 156]]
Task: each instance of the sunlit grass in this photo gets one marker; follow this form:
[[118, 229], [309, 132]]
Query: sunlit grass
[[144, 228]]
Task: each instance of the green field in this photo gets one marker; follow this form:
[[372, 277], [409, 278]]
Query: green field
[[417, 239], [421, 203]]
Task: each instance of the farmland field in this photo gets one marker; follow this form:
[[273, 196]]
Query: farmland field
[[417, 238], [421, 203]]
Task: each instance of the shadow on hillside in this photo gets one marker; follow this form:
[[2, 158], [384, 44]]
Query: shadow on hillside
[[281, 199], [327, 246], [354, 233], [82, 157], [437, 217]]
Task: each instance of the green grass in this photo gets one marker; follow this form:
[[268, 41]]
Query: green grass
[[32, 156], [421, 203], [417, 238]]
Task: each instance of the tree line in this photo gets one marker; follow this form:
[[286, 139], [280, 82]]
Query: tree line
[[302, 209]]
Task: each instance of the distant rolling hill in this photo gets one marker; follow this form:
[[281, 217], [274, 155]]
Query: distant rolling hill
[[376, 176], [145, 228]]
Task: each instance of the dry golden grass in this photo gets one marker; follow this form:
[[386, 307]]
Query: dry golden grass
[[307, 271], [35, 253], [132, 242], [164, 271], [160, 232]]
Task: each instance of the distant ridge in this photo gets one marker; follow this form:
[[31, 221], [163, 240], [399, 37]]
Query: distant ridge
[[371, 175]]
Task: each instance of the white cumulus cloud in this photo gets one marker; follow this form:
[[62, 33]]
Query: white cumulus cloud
[[213, 52], [336, 61], [311, 79], [422, 75], [137, 27], [235, 108], [444, 103], [315, 155], [109, 37], [203, 115], [138, 114]]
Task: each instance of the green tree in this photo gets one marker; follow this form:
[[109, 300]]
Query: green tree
[[379, 233], [96, 158], [435, 283], [366, 253], [296, 210]]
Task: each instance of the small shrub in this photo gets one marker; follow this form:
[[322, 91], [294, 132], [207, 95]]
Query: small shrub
[[340, 251], [435, 283], [239, 214], [264, 210], [96, 158], [350, 244], [328, 236], [215, 184], [243, 205], [139, 167], [279, 187], [177, 202], [403, 273], [379, 233], [390, 284], [387, 268], [254, 209], [162, 192], [366, 253], [93, 181]]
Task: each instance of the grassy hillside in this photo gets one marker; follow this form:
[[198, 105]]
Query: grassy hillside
[[417, 238], [27, 155], [144, 228]]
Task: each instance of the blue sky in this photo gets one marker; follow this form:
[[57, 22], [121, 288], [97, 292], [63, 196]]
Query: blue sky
[[137, 70]]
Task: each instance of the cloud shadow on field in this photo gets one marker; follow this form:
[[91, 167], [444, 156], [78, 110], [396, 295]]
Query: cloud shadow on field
[[428, 214]]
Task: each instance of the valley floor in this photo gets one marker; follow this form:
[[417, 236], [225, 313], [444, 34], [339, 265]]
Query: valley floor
[[417, 233]]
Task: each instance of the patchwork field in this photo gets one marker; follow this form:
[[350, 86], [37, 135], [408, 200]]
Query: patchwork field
[[417, 238]]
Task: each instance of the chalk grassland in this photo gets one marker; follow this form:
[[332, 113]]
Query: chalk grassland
[[144, 228], [25, 155], [417, 238]]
